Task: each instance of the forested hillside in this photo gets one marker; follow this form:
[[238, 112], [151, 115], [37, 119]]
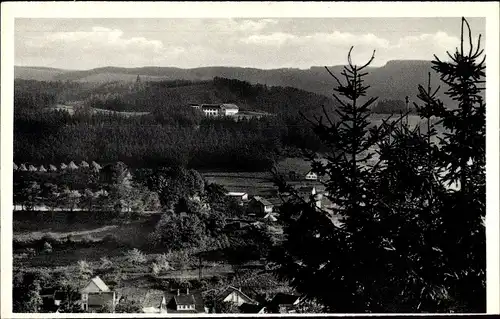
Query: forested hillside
[[171, 133], [393, 81]]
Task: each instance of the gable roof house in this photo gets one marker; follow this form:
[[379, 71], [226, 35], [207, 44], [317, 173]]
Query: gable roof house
[[183, 302], [97, 294], [239, 196], [32, 168], [63, 166], [52, 168], [22, 168], [84, 164], [284, 303], [72, 165], [42, 169], [210, 109], [311, 176], [236, 296], [229, 109], [15, 167], [260, 206]]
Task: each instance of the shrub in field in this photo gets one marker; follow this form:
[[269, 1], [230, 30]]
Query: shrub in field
[[155, 269], [163, 262], [84, 270], [135, 256], [47, 248], [105, 263]]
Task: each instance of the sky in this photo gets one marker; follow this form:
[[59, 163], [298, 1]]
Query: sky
[[266, 43]]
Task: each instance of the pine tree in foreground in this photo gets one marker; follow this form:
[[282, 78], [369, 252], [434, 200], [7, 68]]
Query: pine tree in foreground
[[407, 242]]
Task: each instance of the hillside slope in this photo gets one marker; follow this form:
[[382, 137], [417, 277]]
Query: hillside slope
[[395, 80]]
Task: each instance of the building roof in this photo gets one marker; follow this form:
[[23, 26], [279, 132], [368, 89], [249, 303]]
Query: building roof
[[284, 299], [72, 165], [15, 166], [99, 283], [250, 308], [184, 299], [52, 168], [231, 289], [229, 106], [22, 167], [263, 201], [210, 106], [84, 164], [236, 193]]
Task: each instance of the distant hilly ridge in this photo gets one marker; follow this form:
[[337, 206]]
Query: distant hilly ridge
[[395, 80]]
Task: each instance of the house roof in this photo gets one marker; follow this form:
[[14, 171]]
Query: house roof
[[263, 201], [196, 295], [52, 167], [231, 289], [250, 308], [15, 166], [72, 165], [236, 193], [184, 299], [210, 106], [99, 283], [230, 106], [284, 299]]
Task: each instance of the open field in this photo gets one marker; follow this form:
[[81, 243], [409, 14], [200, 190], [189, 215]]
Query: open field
[[71, 110]]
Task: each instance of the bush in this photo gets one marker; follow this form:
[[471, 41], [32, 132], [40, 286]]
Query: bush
[[135, 257], [84, 270], [47, 248], [106, 263]]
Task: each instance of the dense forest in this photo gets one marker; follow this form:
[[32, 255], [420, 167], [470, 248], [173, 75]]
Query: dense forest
[[172, 133]]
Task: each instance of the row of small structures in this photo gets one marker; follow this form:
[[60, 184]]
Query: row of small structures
[[53, 168]]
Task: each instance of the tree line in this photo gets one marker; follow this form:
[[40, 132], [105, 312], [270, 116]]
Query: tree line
[[170, 134]]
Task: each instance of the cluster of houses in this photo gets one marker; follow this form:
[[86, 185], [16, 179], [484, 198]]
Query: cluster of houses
[[262, 209], [54, 168], [219, 109], [96, 294]]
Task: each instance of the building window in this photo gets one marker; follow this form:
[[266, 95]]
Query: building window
[[85, 297]]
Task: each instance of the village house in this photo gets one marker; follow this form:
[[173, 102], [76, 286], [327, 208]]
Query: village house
[[217, 109], [311, 176], [15, 167], [97, 294], [284, 303], [183, 302], [241, 197], [236, 296], [22, 168], [229, 109], [260, 206]]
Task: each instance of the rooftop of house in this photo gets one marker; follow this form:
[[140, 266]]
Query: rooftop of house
[[231, 289], [229, 106], [236, 193], [250, 308], [99, 283], [284, 299], [263, 201]]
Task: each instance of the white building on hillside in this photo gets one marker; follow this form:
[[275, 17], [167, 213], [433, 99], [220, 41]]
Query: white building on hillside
[[229, 109]]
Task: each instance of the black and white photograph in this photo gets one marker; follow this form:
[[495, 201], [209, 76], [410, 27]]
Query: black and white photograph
[[254, 161]]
